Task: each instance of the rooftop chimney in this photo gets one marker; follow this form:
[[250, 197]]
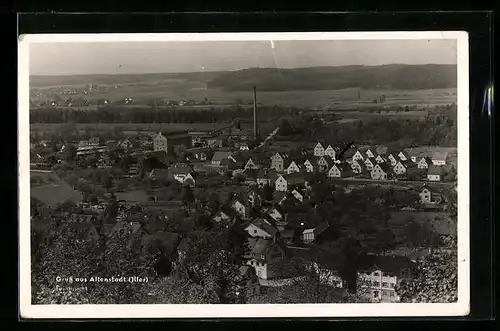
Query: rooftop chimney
[[255, 133]]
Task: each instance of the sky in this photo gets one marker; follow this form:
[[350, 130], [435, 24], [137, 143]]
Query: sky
[[163, 57]]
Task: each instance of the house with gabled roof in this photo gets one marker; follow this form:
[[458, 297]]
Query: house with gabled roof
[[125, 144], [299, 194], [370, 162], [369, 153], [219, 156], [261, 228], [357, 166], [380, 159], [324, 163], [424, 162], [311, 234], [429, 195], [251, 163], [434, 173], [404, 156], [381, 275], [263, 253], [358, 155], [278, 161], [183, 173], [274, 212], [439, 158], [266, 177], [319, 150], [393, 159], [224, 215], [402, 167], [294, 167], [310, 165], [341, 170], [330, 151], [380, 171], [287, 182], [240, 207]]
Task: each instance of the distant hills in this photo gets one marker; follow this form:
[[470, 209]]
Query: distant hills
[[332, 78], [393, 76]]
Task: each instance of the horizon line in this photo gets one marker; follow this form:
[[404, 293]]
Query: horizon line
[[249, 68]]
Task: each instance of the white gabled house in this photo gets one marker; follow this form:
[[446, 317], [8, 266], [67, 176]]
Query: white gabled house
[[319, 150], [358, 156], [251, 164], [309, 166], [404, 156], [299, 196], [370, 162], [341, 170], [221, 216], [261, 228], [424, 163], [392, 159], [330, 151], [323, 163], [439, 158], [369, 153], [240, 208], [400, 168], [380, 171], [434, 173], [281, 184], [292, 167], [428, 196], [380, 159], [356, 167]]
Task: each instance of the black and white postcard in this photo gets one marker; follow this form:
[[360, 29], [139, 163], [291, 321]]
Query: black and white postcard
[[244, 175]]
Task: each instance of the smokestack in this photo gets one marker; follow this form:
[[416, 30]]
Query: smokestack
[[255, 112]]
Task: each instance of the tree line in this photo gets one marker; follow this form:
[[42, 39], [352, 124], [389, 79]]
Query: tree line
[[116, 114], [433, 130]]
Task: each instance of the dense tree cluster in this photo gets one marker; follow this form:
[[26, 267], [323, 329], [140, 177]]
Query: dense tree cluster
[[435, 279], [394, 76], [435, 130], [145, 114]]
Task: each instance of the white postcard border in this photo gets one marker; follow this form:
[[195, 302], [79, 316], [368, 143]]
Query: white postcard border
[[460, 308]]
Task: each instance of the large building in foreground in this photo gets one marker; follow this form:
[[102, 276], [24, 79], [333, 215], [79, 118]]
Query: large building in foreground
[[172, 142]]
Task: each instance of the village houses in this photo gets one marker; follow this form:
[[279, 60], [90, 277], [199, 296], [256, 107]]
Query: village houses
[[220, 156], [393, 159], [430, 196], [370, 162], [263, 253], [319, 150], [341, 170], [380, 276], [278, 161], [286, 182], [439, 158], [240, 207], [424, 162], [434, 173], [380, 171], [310, 166], [324, 163], [330, 151]]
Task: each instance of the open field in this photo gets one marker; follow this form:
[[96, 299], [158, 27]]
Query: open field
[[326, 99], [130, 127]]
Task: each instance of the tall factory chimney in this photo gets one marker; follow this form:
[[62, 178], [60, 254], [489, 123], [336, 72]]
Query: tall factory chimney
[[255, 133]]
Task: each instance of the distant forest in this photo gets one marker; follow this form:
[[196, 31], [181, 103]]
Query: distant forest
[[332, 78], [393, 76]]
